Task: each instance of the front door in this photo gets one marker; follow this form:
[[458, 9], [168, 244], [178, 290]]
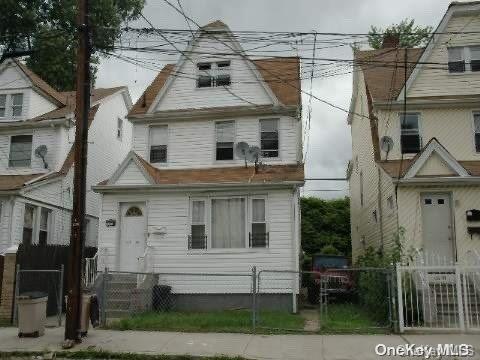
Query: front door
[[438, 241], [132, 235]]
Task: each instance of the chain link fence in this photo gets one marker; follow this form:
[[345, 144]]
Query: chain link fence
[[49, 282], [343, 300]]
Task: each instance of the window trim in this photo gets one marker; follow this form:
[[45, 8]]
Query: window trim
[[278, 157], [227, 161], [9, 151], [5, 107], [12, 105], [162, 164], [208, 218], [475, 112], [266, 220], [420, 130]]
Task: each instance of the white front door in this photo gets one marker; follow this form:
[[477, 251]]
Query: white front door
[[438, 239], [132, 235]]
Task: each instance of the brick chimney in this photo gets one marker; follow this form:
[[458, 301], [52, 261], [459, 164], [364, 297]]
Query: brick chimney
[[390, 40]]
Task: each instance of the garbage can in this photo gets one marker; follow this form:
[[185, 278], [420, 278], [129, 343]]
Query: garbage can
[[32, 313], [162, 298]]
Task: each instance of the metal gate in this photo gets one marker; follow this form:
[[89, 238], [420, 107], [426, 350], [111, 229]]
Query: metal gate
[[443, 297]]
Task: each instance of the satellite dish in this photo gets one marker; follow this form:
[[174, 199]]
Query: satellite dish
[[386, 144], [41, 152], [253, 153], [241, 149]]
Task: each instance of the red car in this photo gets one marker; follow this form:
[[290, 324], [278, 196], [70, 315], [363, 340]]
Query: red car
[[332, 274]]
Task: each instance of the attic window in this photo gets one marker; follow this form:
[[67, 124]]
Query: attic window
[[17, 104], [213, 74], [456, 60]]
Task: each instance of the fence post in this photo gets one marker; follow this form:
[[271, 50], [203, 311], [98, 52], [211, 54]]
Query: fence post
[[60, 296], [461, 313], [104, 297], [400, 299], [389, 297], [16, 293], [254, 298]]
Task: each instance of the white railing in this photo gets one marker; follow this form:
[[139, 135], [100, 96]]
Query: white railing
[[90, 272], [145, 266]]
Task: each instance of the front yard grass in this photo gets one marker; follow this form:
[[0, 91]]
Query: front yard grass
[[347, 318], [237, 321]]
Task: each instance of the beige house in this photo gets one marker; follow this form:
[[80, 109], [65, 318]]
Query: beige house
[[415, 169]]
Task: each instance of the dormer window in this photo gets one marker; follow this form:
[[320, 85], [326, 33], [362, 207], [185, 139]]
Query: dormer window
[[213, 74], [17, 104], [3, 105]]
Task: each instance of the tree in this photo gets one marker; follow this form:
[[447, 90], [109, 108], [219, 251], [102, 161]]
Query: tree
[[48, 28], [410, 35], [326, 226]]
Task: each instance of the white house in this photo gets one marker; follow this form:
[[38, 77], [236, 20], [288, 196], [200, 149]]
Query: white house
[[37, 132], [183, 200], [424, 191]]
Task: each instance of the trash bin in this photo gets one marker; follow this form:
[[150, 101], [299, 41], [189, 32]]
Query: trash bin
[[32, 313], [162, 298]]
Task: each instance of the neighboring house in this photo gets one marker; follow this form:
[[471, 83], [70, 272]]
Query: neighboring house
[[183, 200], [425, 191], [35, 121]]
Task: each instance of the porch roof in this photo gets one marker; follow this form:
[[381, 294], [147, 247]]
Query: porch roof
[[15, 182]]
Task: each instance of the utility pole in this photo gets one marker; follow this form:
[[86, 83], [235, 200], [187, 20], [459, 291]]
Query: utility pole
[[77, 238]]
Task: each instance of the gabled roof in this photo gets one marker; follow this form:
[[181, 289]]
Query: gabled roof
[[41, 84], [96, 95], [383, 70], [238, 175], [410, 167], [281, 75]]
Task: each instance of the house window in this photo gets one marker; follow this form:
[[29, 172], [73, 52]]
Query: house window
[[225, 139], [213, 74], [28, 223], [456, 60], [3, 105], [410, 133], [198, 236], [158, 144], [17, 104], [361, 188], [475, 58], [44, 228], [269, 137], [258, 233], [119, 128], [228, 223], [20, 151], [476, 124]]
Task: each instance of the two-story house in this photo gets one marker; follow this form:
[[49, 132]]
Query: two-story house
[[415, 125], [37, 133], [185, 200]]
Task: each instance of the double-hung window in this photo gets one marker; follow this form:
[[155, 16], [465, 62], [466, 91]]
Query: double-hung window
[[212, 74], [225, 139], [20, 151], [476, 124], [258, 233], [228, 223], [410, 133], [3, 105], [269, 138], [17, 104], [158, 144], [198, 234], [44, 226], [456, 60]]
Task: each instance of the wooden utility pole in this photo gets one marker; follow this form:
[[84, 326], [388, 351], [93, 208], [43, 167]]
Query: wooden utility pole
[[77, 238]]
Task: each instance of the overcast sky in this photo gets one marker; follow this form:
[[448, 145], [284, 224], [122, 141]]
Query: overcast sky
[[330, 145]]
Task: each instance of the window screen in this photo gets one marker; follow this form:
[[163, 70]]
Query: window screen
[[225, 134], [158, 144], [20, 151]]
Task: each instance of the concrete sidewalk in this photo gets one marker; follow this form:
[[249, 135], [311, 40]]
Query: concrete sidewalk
[[278, 347]]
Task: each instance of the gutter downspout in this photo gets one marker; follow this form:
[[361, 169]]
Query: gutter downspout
[[380, 209]]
